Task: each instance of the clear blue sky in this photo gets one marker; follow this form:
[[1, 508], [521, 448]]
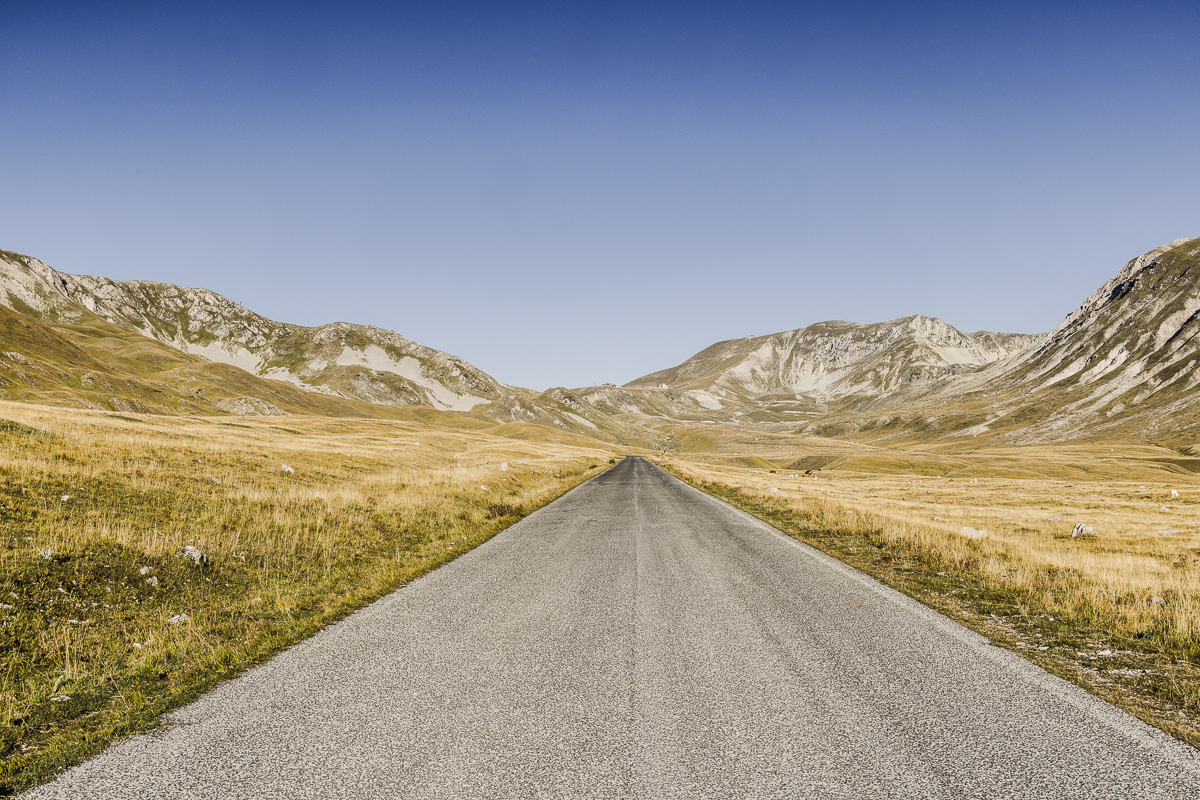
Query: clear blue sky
[[567, 193]]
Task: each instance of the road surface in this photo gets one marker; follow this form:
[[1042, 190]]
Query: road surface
[[639, 639]]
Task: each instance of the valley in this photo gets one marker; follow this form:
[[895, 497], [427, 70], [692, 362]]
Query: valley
[[137, 418]]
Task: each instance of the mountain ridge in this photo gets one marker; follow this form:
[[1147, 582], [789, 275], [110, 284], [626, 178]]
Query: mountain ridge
[[1122, 363], [358, 362]]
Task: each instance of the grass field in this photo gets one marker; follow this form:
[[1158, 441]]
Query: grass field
[[103, 626], [1117, 611]]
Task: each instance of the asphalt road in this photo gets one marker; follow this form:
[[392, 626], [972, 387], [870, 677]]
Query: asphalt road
[[638, 638]]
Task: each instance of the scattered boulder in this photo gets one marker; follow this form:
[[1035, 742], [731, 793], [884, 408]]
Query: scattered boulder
[[504, 467], [1174, 493], [1164, 510], [972, 533], [198, 558], [1081, 531], [288, 470], [178, 619], [1157, 601], [153, 581], [144, 571]]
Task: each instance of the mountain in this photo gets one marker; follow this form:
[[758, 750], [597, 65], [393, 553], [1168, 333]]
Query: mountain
[[1122, 365], [354, 362], [1123, 362], [834, 361]]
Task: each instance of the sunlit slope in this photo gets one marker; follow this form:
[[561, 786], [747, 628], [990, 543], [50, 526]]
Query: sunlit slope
[[1122, 366], [833, 360], [95, 364], [1125, 360], [356, 362]]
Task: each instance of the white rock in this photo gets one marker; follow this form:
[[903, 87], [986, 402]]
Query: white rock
[[504, 467], [1174, 493], [1158, 601], [1164, 510], [144, 571], [198, 558], [972, 533], [288, 470], [484, 488], [1081, 530], [178, 619], [153, 581], [66, 497]]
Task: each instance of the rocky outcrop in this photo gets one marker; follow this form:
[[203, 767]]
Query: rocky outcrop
[[357, 362], [832, 360], [1126, 358]]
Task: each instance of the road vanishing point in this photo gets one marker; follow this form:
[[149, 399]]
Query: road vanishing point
[[640, 639]]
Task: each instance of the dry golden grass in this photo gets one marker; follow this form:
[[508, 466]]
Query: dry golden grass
[[94, 508]]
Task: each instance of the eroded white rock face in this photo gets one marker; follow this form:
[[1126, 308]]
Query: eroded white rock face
[[353, 361], [835, 359], [1133, 344]]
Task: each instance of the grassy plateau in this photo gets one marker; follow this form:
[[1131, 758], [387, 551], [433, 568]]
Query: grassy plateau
[[104, 627]]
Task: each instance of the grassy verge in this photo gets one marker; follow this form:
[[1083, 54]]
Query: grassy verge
[[104, 627], [1139, 651]]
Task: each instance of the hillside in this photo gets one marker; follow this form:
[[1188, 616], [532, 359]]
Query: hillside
[[355, 362], [1123, 365], [802, 374], [1120, 366]]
